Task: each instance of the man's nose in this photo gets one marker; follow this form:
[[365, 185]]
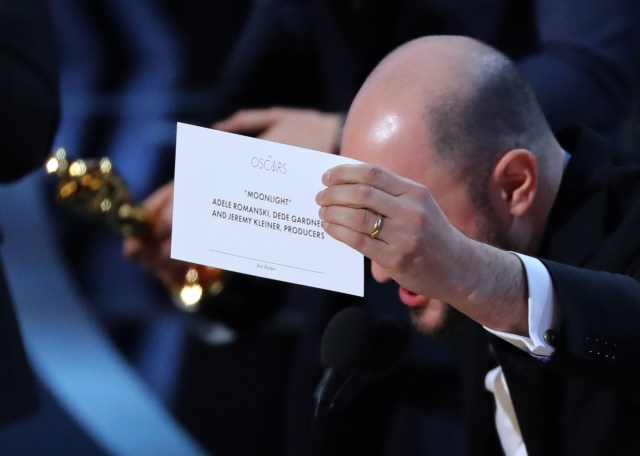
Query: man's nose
[[379, 273]]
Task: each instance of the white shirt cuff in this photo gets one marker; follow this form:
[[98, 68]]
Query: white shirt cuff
[[543, 314]]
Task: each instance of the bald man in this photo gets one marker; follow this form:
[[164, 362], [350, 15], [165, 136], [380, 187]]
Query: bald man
[[462, 171]]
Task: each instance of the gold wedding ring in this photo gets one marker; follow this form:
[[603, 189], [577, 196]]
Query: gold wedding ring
[[376, 228]]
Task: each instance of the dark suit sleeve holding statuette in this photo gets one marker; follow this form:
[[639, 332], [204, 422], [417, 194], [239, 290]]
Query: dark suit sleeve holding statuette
[[28, 119]]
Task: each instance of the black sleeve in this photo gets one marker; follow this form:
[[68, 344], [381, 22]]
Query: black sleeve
[[599, 338], [28, 87]]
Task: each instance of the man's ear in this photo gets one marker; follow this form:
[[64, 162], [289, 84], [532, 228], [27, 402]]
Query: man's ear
[[515, 176]]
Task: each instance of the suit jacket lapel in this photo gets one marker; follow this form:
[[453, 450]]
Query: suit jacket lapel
[[577, 223]]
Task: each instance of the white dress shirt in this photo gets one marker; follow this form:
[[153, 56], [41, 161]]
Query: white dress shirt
[[543, 316]]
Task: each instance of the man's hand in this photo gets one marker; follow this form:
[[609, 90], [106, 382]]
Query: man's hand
[[416, 245], [419, 248], [296, 127], [153, 251]]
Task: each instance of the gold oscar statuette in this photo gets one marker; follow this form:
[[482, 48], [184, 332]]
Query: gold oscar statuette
[[94, 188]]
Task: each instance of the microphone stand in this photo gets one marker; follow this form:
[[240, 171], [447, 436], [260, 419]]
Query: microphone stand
[[332, 396]]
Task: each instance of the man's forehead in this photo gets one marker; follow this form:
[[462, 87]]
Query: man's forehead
[[384, 127], [402, 147], [389, 139]]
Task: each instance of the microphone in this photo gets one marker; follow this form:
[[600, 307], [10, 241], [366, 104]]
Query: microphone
[[356, 349], [344, 350]]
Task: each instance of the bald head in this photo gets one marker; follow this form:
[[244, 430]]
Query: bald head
[[454, 116], [435, 64], [472, 103]]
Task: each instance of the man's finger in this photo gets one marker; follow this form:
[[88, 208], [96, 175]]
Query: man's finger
[[361, 220], [159, 199], [247, 121], [132, 248], [372, 248], [360, 196], [373, 175]]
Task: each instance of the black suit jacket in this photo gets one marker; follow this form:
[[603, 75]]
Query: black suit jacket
[[585, 400], [28, 118]]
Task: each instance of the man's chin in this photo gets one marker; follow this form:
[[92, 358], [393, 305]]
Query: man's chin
[[434, 321]]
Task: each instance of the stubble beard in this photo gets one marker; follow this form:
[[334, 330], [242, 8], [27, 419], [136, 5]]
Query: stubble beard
[[448, 319]]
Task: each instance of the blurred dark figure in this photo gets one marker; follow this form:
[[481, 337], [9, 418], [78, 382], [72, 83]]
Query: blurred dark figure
[[129, 71], [316, 53], [28, 120]]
